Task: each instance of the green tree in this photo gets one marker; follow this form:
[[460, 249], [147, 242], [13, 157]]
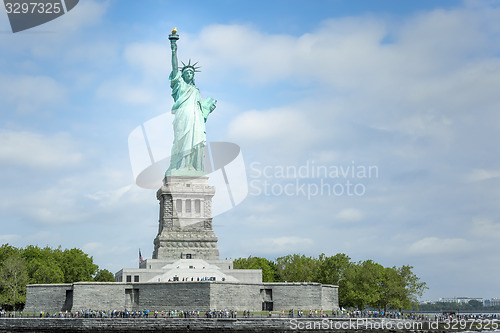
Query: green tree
[[411, 288], [7, 251], [269, 272], [35, 265], [297, 268], [400, 288], [475, 305], [331, 270], [349, 295], [13, 280], [103, 275], [45, 272], [362, 285], [77, 266], [391, 289], [43, 265], [371, 282]]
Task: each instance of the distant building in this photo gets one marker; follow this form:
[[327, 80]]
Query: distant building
[[460, 300], [427, 302], [492, 302]]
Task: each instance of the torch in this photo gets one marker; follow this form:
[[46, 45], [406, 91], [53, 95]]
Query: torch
[[173, 36]]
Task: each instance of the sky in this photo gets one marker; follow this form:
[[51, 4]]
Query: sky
[[392, 104]]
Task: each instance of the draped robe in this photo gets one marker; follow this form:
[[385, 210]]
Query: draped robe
[[189, 127]]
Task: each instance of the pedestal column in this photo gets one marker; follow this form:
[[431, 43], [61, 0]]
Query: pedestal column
[[185, 224]]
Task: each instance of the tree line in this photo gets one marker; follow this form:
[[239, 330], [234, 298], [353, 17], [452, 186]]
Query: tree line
[[34, 265], [470, 306], [361, 284]]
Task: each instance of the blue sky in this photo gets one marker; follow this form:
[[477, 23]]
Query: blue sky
[[410, 87]]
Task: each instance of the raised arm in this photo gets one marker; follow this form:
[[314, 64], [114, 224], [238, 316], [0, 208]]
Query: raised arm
[[175, 65]]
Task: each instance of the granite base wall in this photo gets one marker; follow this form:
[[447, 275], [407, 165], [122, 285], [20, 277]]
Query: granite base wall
[[47, 296], [173, 296], [329, 297], [98, 296], [302, 296], [201, 296], [235, 296]]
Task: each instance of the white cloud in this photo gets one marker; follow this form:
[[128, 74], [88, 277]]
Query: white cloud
[[337, 47], [52, 39], [84, 14], [151, 59], [91, 247], [41, 237], [262, 219], [284, 130], [110, 197], [396, 86], [325, 157], [280, 245], [422, 63], [86, 199], [486, 228], [350, 215], [126, 93], [385, 98], [97, 55], [36, 150], [246, 47], [439, 246], [268, 125], [10, 238], [103, 249], [478, 175], [55, 205], [28, 94]]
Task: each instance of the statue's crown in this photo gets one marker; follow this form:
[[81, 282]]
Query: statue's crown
[[189, 65]]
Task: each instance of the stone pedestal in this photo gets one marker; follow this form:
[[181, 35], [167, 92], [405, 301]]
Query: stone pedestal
[[185, 223]]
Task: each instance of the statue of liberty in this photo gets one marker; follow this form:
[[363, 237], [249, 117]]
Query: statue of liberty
[[191, 113]]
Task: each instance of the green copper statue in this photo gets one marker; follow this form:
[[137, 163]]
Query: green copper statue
[[191, 113]]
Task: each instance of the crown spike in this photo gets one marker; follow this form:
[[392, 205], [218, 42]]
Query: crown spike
[[192, 66]]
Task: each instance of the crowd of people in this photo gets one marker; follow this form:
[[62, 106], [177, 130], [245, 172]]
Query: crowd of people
[[144, 314], [229, 313], [9, 314], [192, 279], [414, 316]]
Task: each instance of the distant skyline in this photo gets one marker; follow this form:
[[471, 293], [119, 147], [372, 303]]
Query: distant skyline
[[407, 87]]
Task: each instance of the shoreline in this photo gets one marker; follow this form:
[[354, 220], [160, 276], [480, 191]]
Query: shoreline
[[144, 325]]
